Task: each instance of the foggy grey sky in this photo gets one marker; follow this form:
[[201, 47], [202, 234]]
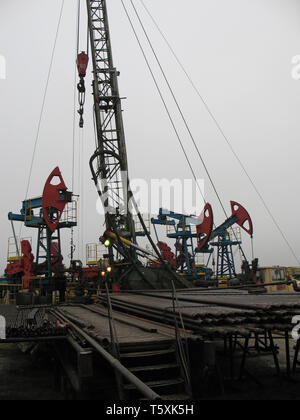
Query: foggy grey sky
[[238, 53]]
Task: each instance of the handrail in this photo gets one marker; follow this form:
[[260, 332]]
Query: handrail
[[112, 328], [115, 363], [182, 355]]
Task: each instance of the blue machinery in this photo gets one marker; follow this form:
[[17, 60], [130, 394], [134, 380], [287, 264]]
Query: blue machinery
[[207, 238]]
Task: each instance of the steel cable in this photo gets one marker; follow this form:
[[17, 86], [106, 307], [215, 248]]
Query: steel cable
[[178, 107], [44, 98], [43, 104], [162, 99], [218, 125]]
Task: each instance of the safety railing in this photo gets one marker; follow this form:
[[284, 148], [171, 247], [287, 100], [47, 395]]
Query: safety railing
[[14, 248], [70, 213], [93, 253]]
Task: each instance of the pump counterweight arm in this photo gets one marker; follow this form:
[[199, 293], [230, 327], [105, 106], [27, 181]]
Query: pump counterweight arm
[[239, 216]]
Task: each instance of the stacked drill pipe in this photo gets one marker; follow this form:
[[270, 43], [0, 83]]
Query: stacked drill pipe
[[233, 317], [215, 314], [34, 323]]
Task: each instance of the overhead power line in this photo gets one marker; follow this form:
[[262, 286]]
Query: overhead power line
[[162, 98], [44, 98], [178, 107], [222, 132]]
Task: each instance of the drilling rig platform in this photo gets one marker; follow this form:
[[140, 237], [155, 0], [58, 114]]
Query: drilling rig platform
[[140, 322]]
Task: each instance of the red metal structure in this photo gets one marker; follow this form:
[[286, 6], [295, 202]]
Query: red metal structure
[[242, 216], [54, 199], [25, 266], [167, 255], [44, 214], [204, 230]]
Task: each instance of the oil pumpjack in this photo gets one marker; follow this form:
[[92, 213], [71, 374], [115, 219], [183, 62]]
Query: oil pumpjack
[[109, 168], [44, 214], [158, 346]]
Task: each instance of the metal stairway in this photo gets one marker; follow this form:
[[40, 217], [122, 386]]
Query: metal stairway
[[157, 365]]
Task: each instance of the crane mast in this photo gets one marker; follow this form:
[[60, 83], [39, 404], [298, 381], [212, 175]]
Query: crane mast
[[109, 164]]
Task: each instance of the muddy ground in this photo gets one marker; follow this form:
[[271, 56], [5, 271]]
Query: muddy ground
[[23, 377]]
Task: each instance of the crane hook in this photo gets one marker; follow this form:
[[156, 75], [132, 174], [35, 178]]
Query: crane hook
[[82, 64]]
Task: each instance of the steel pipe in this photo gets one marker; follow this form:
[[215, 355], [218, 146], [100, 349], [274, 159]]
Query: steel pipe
[[115, 363]]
